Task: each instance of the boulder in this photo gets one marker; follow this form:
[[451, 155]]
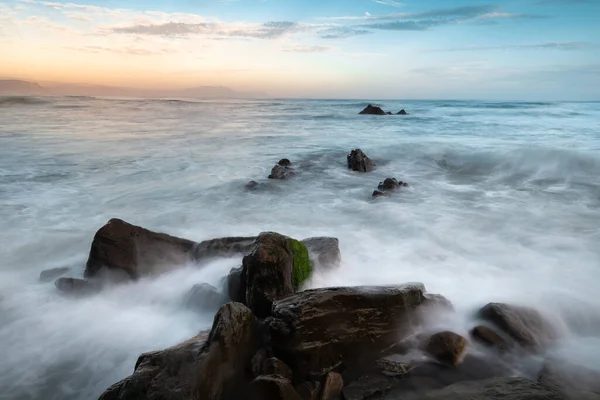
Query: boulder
[[447, 347], [525, 325], [324, 252], [210, 368], [223, 247], [373, 110], [392, 367], [137, 251], [437, 302], [284, 171], [204, 297], [358, 161], [488, 337], [571, 381], [272, 387], [284, 162], [318, 330], [76, 287], [402, 112], [332, 388], [236, 285], [390, 184], [277, 266], [51, 274]]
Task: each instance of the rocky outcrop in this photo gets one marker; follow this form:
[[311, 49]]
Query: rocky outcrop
[[277, 266], [489, 337], [136, 251], [525, 325], [358, 161], [318, 330], [391, 184], [272, 387], [282, 170], [236, 285], [210, 368], [373, 110], [204, 297], [223, 247], [51, 274], [447, 347], [571, 381], [76, 287], [324, 252], [402, 112]]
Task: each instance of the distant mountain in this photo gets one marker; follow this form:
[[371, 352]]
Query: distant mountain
[[24, 88]]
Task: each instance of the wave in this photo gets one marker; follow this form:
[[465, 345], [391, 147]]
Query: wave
[[493, 105], [11, 101]]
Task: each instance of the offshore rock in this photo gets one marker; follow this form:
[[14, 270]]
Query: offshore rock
[[373, 110], [358, 161]]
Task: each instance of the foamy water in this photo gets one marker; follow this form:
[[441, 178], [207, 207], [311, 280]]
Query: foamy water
[[504, 205]]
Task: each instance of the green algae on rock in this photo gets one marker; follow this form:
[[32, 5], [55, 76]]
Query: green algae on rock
[[302, 266]]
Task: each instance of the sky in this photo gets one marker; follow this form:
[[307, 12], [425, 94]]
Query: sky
[[429, 49]]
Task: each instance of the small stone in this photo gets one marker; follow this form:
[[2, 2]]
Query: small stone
[[447, 347]]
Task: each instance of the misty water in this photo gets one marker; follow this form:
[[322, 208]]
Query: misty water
[[503, 205]]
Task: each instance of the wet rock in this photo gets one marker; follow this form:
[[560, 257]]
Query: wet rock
[[358, 161], [210, 368], [488, 337], [392, 367], [276, 267], [223, 247], [51, 274], [272, 387], [309, 390], [236, 285], [332, 388], [368, 387], [373, 110], [324, 252], [437, 302], [390, 184], [525, 325], [447, 347], [318, 330], [274, 366], [252, 186], [378, 193], [571, 381], [280, 171], [204, 297], [76, 287], [135, 250], [402, 112], [284, 162]]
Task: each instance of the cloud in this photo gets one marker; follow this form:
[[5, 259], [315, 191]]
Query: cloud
[[546, 2], [506, 15], [342, 32], [125, 51], [457, 12], [541, 46], [307, 49], [391, 3]]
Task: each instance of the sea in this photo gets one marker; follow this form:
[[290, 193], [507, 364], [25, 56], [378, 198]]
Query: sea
[[503, 206]]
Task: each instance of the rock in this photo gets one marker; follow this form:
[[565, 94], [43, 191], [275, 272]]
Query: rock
[[317, 330], [437, 302], [204, 297], [274, 366], [309, 390], [236, 285], [76, 287], [402, 112], [276, 267], [391, 367], [389, 184], [488, 337], [368, 387], [489, 389], [50, 274], [447, 347], [358, 161], [324, 252], [373, 110], [388, 113], [272, 387], [378, 193], [571, 381], [284, 162], [223, 247], [210, 368], [135, 250], [523, 324], [332, 388], [281, 172]]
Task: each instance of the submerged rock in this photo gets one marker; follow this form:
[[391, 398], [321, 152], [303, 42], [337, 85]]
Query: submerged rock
[[358, 161], [317, 330], [76, 287], [50, 274], [447, 347], [324, 252], [378, 193], [488, 337], [282, 170], [373, 110], [204, 297], [391, 184], [223, 247], [402, 112], [571, 381], [139, 252]]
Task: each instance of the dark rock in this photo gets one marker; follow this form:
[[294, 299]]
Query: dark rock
[[272, 387], [204, 297], [447, 347], [358, 161], [571, 381], [378, 193], [223, 247], [324, 252], [276, 267], [392, 367], [389, 184], [389, 113], [210, 368], [437, 302], [525, 325], [309, 390], [402, 112], [332, 388], [318, 330], [284, 162], [135, 250], [236, 285], [76, 287], [368, 387], [50, 274], [274, 366], [281, 172], [373, 110], [252, 185], [488, 337]]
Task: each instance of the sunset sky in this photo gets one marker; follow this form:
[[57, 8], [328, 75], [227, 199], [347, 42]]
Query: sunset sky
[[513, 49]]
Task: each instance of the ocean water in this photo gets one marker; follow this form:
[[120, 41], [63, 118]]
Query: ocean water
[[503, 205]]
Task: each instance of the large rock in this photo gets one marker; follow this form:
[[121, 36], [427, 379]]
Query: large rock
[[373, 110], [358, 161], [282, 170], [272, 387], [571, 381], [402, 112], [447, 347], [223, 247], [119, 245], [276, 267], [210, 368], [204, 297], [324, 252], [525, 325], [318, 330], [332, 387], [236, 285]]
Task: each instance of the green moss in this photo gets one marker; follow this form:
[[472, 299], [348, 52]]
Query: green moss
[[302, 268]]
